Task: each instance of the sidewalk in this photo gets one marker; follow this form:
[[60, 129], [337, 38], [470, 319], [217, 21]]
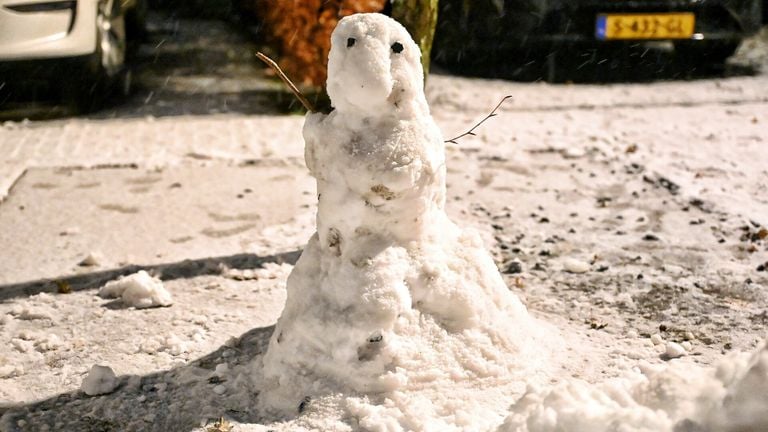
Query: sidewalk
[[57, 217], [179, 182], [147, 142], [456, 104], [657, 189]]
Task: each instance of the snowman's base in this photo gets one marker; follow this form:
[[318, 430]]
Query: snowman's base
[[401, 319]]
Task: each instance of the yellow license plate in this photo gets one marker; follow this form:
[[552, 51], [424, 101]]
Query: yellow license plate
[[645, 26]]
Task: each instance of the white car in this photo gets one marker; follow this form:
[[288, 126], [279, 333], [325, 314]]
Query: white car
[[88, 37]]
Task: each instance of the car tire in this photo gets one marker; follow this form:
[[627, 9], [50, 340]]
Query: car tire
[[765, 11], [136, 26], [706, 53], [100, 73]]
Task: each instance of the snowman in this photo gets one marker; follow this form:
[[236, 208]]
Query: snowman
[[389, 294]]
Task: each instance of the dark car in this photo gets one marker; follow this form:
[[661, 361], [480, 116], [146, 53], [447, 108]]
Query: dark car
[[701, 30]]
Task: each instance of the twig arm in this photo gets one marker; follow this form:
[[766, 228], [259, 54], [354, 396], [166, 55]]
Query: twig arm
[[271, 63], [472, 130]]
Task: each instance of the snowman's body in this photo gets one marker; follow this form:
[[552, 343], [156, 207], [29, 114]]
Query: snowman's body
[[389, 294]]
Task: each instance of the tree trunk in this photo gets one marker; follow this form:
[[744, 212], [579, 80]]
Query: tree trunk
[[419, 17]]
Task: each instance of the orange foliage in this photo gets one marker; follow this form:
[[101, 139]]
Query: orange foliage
[[301, 31]]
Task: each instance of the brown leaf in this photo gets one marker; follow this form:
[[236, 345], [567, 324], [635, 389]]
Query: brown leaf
[[220, 425], [63, 287]]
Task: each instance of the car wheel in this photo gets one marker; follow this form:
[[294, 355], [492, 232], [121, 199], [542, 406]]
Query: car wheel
[[104, 70], [765, 11], [110, 38], [706, 53], [136, 26]]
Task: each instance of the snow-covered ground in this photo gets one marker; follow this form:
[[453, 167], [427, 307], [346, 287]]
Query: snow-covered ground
[[630, 218]]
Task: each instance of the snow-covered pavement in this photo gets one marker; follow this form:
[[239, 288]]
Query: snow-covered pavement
[[656, 190]]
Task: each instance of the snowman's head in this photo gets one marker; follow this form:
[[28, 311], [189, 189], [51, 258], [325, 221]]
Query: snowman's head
[[374, 67]]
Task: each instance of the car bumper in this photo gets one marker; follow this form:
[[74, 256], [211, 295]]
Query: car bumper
[[41, 29], [490, 25], [576, 20]]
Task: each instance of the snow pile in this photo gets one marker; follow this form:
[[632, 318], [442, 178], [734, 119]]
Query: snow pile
[[8, 371], [389, 296], [100, 380], [139, 290], [93, 259], [730, 397]]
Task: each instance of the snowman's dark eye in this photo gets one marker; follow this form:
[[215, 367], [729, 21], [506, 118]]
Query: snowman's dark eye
[[351, 42], [397, 47]]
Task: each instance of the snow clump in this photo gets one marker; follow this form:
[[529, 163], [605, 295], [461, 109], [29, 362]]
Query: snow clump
[[139, 290], [733, 396], [100, 380]]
